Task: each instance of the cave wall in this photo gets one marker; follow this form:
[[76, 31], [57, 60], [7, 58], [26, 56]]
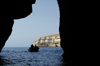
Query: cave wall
[[69, 30]]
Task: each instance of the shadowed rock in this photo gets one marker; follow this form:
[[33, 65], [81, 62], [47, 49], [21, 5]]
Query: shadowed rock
[[10, 10], [69, 32], [69, 27]]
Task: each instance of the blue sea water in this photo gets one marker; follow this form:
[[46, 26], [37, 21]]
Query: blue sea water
[[20, 56]]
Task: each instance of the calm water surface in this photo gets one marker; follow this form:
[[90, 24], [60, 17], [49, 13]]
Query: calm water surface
[[20, 56]]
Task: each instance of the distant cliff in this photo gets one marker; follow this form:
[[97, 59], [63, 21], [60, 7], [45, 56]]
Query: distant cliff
[[48, 41]]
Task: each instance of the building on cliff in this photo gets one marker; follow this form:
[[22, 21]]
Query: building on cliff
[[48, 41]]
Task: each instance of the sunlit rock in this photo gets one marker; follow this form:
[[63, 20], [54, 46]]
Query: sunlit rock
[[48, 41]]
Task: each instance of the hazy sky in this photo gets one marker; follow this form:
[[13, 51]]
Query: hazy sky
[[42, 22]]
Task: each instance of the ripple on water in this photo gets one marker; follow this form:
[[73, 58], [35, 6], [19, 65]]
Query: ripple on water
[[48, 56]]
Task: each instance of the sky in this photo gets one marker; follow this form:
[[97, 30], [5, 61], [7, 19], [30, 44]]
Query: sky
[[43, 21]]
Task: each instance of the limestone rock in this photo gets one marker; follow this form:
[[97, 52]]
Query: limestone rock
[[48, 41]]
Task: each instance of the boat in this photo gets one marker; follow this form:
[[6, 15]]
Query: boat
[[33, 48]]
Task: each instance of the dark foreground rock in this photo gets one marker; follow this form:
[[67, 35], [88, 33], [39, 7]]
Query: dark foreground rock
[[70, 30], [10, 10]]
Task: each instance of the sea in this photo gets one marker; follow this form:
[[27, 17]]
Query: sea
[[20, 56]]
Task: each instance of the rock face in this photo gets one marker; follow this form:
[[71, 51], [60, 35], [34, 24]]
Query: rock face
[[48, 41], [17, 9], [73, 34]]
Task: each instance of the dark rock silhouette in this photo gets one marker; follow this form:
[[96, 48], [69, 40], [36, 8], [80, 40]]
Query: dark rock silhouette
[[69, 31], [22, 8], [68, 26], [10, 10], [5, 30]]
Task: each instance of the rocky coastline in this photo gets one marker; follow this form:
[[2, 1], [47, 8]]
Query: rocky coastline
[[48, 41]]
